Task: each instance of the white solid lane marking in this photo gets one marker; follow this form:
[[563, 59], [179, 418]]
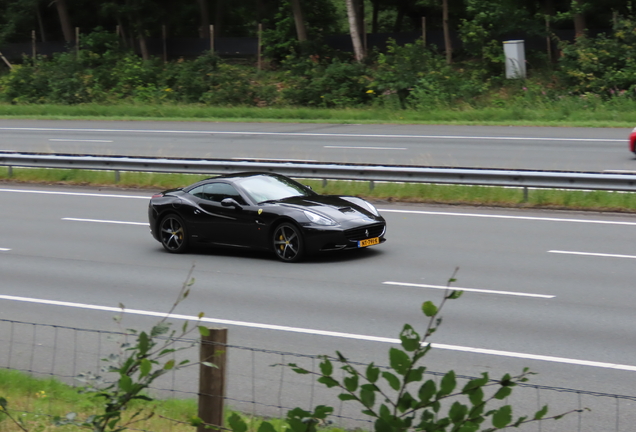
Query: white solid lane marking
[[80, 140], [4, 249], [106, 221], [325, 333], [476, 290], [365, 148], [75, 194], [273, 159], [308, 134], [591, 221], [592, 254]]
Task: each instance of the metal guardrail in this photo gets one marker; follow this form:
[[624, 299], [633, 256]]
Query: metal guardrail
[[332, 171]]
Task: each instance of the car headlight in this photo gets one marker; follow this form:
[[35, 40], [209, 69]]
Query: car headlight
[[362, 203], [318, 219]]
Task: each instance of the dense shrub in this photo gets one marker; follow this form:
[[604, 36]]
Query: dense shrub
[[209, 80], [605, 64], [447, 86], [335, 84], [400, 69]]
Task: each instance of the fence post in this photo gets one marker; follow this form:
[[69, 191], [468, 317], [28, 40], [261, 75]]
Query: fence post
[[164, 36], [33, 46], [423, 31], [77, 42], [212, 379], [212, 39], [258, 48]]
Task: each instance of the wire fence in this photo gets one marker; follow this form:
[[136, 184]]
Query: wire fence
[[259, 385]]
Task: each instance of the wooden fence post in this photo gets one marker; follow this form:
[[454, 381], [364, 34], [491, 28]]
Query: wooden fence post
[[77, 42], [259, 61], [424, 31], [212, 379], [164, 36], [211, 38]]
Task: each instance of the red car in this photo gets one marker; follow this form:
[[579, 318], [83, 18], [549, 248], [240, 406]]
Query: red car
[[632, 141]]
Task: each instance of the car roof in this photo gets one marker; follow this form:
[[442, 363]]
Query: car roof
[[232, 178]]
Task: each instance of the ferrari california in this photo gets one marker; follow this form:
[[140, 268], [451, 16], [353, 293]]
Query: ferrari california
[[262, 211]]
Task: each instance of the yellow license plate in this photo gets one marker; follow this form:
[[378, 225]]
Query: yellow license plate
[[369, 242]]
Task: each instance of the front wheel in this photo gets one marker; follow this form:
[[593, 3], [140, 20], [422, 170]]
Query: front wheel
[[288, 243], [173, 234]]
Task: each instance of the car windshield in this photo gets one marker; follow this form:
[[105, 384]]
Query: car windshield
[[269, 188]]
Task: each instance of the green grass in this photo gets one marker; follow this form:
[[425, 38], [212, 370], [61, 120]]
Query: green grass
[[564, 113], [389, 192], [36, 401]]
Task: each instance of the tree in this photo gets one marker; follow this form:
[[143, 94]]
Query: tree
[[204, 12], [579, 18], [65, 20], [299, 20], [353, 10]]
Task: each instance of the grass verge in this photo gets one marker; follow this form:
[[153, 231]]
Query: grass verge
[[566, 113], [390, 192], [36, 401]]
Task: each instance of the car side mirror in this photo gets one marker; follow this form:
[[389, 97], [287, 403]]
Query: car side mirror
[[230, 202]]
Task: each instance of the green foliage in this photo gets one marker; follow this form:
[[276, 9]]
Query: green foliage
[[336, 84], [280, 40], [604, 64], [4, 412], [402, 399], [400, 69], [449, 85], [489, 20], [136, 367]]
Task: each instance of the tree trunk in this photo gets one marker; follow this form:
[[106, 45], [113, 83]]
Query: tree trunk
[[40, 23], [374, 20], [447, 40], [299, 19], [122, 32], [143, 46], [358, 48], [204, 11], [397, 28], [579, 19], [65, 20], [218, 18]]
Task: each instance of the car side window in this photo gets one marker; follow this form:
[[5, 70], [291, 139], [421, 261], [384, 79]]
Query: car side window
[[217, 192]]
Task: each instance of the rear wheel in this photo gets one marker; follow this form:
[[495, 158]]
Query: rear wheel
[[173, 234], [288, 243]]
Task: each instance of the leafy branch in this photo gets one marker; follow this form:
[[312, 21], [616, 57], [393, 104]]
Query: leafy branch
[[137, 366], [399, 398]]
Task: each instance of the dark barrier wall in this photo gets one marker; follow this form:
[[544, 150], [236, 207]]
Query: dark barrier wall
[[248, 46]]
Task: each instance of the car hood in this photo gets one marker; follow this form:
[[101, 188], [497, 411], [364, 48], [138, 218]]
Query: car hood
[[337, 208]]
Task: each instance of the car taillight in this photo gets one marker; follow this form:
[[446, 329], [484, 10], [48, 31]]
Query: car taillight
[[158, 195]]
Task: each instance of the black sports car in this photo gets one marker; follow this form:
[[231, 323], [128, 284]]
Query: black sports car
[[262, 211]]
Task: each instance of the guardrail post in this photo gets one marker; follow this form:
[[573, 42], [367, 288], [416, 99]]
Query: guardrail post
[[10, 171], [525, 194], [117, 176], [212, 379], [324, 183], [371, 185]]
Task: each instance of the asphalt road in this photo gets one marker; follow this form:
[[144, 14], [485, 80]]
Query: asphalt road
[[552, 291], [541, 148]]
